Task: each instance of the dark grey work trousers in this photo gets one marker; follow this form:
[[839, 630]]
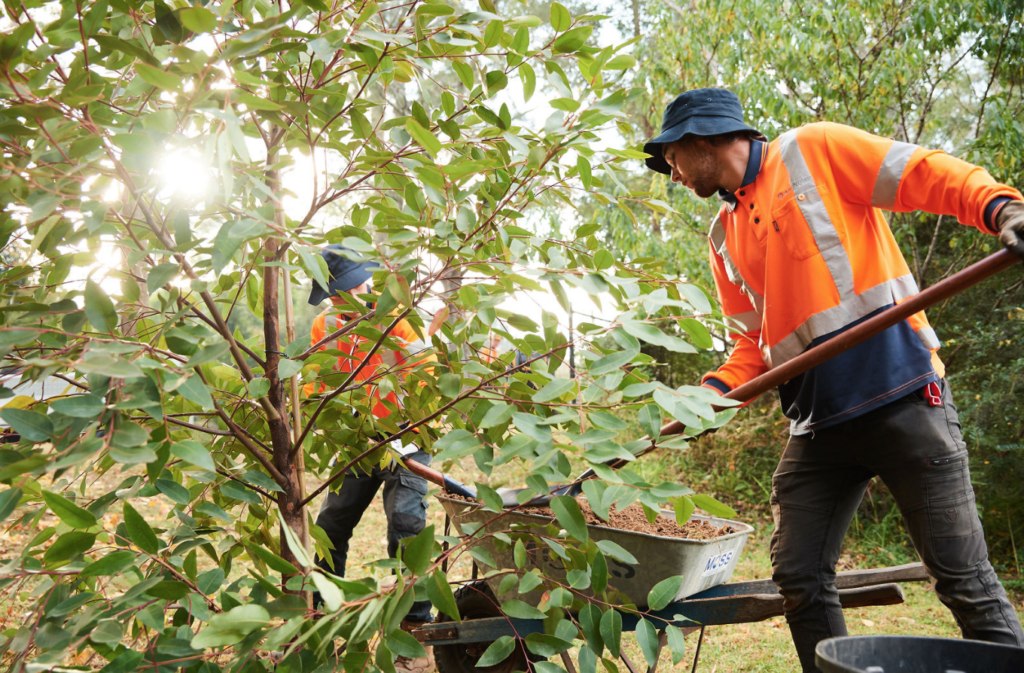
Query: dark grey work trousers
[[404, 506], [919, 452]]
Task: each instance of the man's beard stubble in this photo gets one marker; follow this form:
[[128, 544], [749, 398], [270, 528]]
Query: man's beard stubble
[[704, 172]]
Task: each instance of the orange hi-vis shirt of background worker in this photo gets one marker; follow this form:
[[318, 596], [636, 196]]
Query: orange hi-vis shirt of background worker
[[355, 348]]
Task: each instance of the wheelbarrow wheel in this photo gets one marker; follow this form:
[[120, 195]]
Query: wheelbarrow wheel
[[475, 601]]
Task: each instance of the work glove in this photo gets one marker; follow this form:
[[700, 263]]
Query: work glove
[[1010, 221]]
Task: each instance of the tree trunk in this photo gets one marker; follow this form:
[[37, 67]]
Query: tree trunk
[[300, 458], [290, 500]]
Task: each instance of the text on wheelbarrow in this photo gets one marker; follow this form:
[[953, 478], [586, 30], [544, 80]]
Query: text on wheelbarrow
[[717, 563]]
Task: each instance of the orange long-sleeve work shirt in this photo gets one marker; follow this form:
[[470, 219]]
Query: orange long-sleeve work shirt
[[802, 252]]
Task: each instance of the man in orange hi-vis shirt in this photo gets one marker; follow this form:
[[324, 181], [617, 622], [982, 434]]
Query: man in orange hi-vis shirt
[[404, 492], [800, 251]]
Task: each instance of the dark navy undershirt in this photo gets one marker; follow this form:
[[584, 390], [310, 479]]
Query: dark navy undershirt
[[884, 368], [991, 209]]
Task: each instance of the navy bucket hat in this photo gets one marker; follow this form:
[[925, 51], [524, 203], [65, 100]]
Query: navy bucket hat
[[345, 273], [700, 112]]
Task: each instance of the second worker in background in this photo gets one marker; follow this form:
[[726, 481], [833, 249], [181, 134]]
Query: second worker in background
[[404, 492]]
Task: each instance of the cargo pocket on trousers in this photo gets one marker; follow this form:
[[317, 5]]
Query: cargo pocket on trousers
[[956, 535], [410, 506]]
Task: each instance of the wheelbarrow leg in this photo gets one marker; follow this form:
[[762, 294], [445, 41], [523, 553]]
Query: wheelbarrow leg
[[567, 662], [444, 547], [629, 664], [662, 641], [696, 655]]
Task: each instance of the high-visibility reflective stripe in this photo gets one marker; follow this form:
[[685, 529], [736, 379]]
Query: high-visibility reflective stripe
[[813, 208], [928, 338], [889, 174], [852, 308], [389, 357], [717, 238], [416, 347], [749, 321]]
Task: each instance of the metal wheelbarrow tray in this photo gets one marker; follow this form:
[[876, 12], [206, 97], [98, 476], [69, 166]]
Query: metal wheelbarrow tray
[[702, 563]]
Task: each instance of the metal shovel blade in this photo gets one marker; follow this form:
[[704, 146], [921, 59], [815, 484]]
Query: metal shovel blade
[[510, 497], [526, 497]]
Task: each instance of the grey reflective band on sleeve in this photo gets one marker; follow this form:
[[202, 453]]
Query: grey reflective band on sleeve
[[887, 183], [403, 449], [928, 338], [410, 351], [816, 215], [417, 347], [389, 357]]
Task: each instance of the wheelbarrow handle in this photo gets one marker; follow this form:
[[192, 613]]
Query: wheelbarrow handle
[[433, 476]]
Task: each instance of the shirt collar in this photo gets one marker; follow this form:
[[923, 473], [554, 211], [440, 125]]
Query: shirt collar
[[758, 153]]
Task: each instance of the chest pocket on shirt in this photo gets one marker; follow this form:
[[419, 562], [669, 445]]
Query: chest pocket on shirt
[[789, 224]]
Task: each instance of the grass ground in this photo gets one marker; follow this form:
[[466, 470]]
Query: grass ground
[[763, 647]]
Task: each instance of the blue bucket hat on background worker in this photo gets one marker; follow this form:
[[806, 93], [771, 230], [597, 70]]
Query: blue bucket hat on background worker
[[700, 112], [344, 273]]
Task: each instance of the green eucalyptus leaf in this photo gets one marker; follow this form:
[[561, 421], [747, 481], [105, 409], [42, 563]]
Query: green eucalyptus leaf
[[712, 506], [9, 500], [193, 452], [68, 512], [560, 17], [611, 631], [418, 550], [111, 564], [554, 390], [647, 638], [139, 531], [676, 643], [31, 425], [68, 546], [664, 592], [496, 652], [519, 610], [440, 594], [570, 517], [572, 40]]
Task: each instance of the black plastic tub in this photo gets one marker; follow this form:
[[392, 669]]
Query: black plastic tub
[[912, 654]]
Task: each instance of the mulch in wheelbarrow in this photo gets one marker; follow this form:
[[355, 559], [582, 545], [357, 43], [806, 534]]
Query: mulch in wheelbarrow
[[634, 519]]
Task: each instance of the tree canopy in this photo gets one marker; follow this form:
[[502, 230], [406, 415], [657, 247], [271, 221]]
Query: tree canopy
[[150, 256]]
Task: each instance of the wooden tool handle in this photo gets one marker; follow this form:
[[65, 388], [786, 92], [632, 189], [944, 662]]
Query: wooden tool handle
[[759, 607]]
